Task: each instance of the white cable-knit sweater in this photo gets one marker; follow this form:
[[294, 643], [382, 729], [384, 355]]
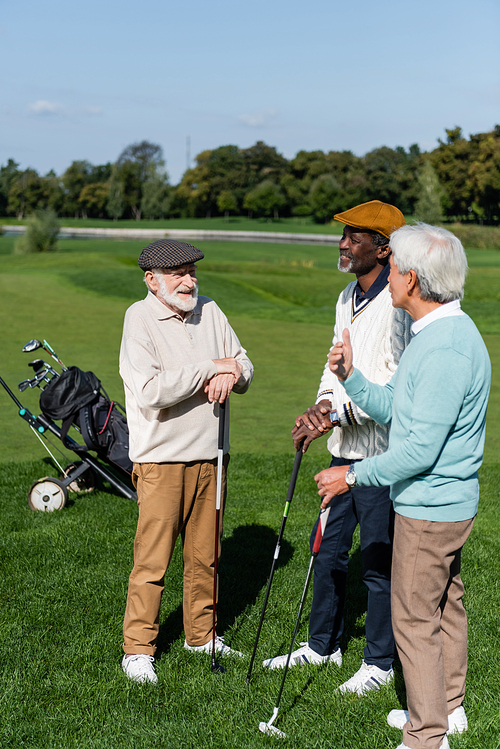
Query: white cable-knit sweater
[[379, 335]]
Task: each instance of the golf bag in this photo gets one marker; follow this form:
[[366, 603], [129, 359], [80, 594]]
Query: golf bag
[[78, 398]]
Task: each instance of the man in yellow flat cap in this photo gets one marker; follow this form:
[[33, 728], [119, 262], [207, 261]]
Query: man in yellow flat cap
[[379, 335]]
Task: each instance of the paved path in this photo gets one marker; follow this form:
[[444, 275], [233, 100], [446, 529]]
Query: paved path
[[193, 234]]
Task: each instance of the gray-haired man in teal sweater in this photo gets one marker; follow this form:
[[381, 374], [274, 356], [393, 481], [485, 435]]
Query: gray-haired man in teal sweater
[[436, 404]]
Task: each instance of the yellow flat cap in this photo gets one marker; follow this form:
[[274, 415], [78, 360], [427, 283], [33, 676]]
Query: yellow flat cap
[[373, 216]]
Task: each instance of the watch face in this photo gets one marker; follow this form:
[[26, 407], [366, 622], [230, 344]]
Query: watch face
[[350, 478]]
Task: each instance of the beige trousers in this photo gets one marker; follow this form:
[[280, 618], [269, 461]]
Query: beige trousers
[[430, 623], [174, 499]]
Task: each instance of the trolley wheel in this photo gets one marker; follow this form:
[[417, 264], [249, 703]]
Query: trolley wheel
[[47, 494], [82, 484]]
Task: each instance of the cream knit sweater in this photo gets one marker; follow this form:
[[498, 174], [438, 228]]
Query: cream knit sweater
[[379, 335], [164, 362]]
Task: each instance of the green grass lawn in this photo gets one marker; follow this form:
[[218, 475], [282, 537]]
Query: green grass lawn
[[304, 225], [65, 574]]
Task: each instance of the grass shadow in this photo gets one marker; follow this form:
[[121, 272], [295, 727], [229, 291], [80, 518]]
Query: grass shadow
[[246, 561], [244, 568]]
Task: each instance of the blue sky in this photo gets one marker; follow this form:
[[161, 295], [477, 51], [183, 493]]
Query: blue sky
[[84, 80]]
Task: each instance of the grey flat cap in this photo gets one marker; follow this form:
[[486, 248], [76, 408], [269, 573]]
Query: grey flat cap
[[168, 253]]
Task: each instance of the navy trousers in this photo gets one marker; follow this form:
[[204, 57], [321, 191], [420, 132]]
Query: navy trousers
[[371, 507]]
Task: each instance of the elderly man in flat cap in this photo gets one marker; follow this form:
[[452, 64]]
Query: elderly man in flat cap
[[179, 360], [379, 335]]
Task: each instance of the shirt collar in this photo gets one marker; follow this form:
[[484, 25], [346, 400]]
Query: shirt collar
[[380, 283], [450, 309]]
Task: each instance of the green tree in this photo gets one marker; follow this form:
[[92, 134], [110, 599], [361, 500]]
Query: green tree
[[74, 179], [134, 167], [156, 194], [429, 206], [484, 175], [226, 203], [42, 229], [8, 174], [324, 197], [265, 200], [93, 199], [115, 205], [391, 175], [27, 192], [452, 161], [227, 168]]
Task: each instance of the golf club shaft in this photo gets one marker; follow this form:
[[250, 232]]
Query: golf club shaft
[[289, 497], [48, 348], [323, 517], [218, 501]]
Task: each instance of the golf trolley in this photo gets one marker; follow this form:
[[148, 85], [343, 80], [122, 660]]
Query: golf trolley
[[78, 399]]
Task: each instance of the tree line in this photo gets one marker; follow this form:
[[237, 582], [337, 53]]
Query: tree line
[[459, 179]]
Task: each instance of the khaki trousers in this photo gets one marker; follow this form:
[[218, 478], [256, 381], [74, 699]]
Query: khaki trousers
[[174, 499], [430, 623]]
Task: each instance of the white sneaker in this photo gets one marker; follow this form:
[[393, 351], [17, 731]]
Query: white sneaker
[[139, 668], [366, 679], [444, 745], [303, 656], [457, 720], [220, 647]]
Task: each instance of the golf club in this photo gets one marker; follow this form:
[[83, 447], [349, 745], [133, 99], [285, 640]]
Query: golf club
[[42, 370], [35, 344], [37, 364], [289, 497], [268, 727], [220, 456]]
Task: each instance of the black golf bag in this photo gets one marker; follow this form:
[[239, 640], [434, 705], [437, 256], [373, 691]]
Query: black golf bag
[[77, 397]]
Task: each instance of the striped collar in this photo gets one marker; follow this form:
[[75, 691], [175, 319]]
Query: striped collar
[[361, 299]]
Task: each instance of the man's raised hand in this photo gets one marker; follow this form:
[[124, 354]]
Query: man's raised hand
[[340, 357]]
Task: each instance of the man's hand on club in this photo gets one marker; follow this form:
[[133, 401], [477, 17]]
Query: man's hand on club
[[229, 365], [340, 357], [312, 424], [331, 482], [219, 387]]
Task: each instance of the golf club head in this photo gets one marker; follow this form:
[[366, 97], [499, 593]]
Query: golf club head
[[217, 667], [23, 385], [271, 730], [37, 364], [32, 345]]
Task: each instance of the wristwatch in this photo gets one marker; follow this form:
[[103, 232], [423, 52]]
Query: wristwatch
[[334, 417], [350, 477]]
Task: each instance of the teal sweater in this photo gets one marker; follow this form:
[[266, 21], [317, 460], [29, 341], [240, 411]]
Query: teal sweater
[[436, 403]]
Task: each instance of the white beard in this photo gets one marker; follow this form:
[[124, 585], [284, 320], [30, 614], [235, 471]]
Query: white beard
[[345, 269], [173, 300]]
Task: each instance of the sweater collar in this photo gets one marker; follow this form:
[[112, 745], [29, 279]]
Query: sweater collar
[[361, 299]]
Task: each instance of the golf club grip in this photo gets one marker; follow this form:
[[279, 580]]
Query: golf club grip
[[222, 423], [323, 517], [295, 472]]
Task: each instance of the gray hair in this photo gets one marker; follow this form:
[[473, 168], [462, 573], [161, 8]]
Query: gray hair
[[437, 257], [158, 274]]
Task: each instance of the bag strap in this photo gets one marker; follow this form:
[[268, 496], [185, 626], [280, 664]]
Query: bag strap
[[64, 436], [87, 429]]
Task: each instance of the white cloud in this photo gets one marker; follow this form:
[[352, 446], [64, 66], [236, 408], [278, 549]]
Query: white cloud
[[258, 119], [45, 107]]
